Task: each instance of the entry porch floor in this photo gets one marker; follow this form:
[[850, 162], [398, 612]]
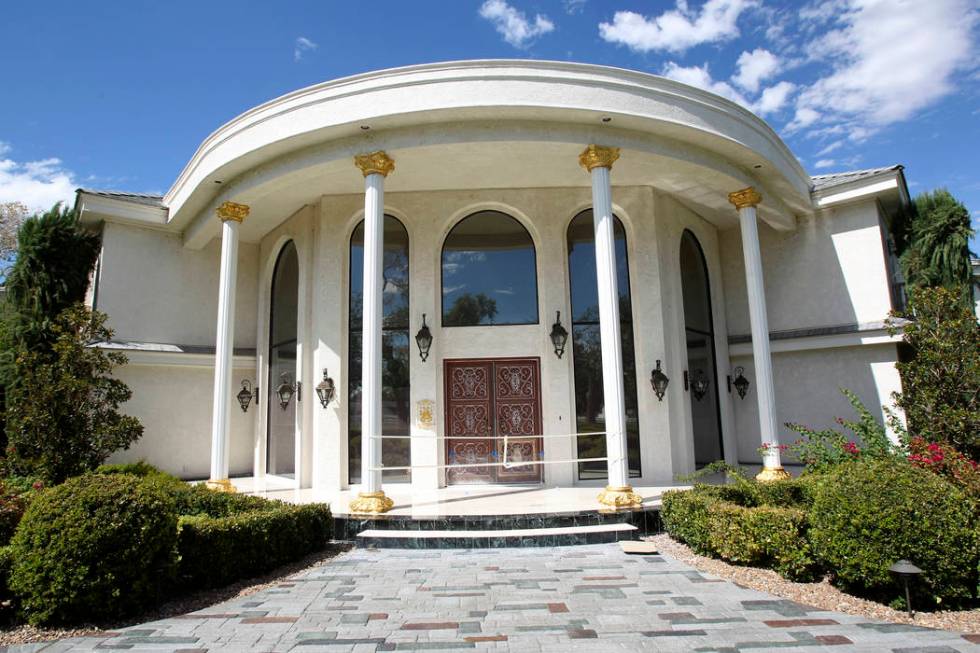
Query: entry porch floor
[[464, 500]]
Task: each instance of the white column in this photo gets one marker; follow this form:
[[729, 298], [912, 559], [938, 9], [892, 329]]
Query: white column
[[745, 201], [375, 167], [598, 161], [231, 215]]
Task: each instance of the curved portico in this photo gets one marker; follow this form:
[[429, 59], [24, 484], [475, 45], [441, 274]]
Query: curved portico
[[681, 190]]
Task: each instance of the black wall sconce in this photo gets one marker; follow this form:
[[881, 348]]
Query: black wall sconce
[[699, 385], [741, 383], [245, 395], [559, 335], [659, 382], [287, 389], [424, 340], [326, 390]]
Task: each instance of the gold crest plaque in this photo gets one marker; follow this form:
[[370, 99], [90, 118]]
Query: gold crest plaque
[[425, 410]]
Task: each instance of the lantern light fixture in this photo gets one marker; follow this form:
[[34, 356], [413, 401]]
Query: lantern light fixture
[[326, 390], [286, 390], [699, 385], [741, 383], [559, 335], [659, 382], [245, 395], [906, 571], [424, 340]]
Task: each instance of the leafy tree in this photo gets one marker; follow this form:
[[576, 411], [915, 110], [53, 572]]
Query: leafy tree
[[941, 379], [938, 244], [63, 417], [470, 310], [55, 257], [12, 214]]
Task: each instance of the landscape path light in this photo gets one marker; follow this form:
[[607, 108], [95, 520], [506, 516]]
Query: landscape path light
[[907, 572]]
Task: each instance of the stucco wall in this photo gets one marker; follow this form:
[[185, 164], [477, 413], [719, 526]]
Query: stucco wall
[[807, 385], [174, 405], [830, 271], [156, 290]]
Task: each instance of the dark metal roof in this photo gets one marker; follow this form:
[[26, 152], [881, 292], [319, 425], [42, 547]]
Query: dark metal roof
[[146, 199], [822, 182]]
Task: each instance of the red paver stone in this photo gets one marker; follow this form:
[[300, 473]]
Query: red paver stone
[[555, 608], [582, 633], [270, 620], [486, 638], [213, 615], [972, 638], [435, 625], [794, 623], [491, 569], [374, 616], [833, 640]]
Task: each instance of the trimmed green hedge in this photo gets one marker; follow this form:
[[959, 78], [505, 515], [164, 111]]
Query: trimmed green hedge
[[6, 565], [869, 514], [94, 548], [216, 550], [735, 523]]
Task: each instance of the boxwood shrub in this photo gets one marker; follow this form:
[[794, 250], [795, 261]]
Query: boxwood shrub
[[761, 524], [218, 549], [869, 514], [94, 548]]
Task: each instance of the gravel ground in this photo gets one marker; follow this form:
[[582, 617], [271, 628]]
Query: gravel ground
[[821, 595], [24, 634]]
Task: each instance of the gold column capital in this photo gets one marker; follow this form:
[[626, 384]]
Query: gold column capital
[[232, 211], [745, 198], [371, 503], [375, 163], [620, 497], [598, 156]]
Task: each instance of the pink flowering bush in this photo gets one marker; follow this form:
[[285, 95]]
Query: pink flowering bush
[[944, 460]]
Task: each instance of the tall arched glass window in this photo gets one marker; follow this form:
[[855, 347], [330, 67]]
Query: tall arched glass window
[[699, 329], [395, 396], [587, 347], [284, 308], [489, 272]]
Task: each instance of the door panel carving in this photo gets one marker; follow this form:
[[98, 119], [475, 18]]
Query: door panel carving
[[490, 398]]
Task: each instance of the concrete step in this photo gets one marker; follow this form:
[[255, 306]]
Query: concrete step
[[495, 539]]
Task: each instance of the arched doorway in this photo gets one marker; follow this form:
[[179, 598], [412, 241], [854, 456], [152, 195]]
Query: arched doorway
[[283, 313], [701, 381]]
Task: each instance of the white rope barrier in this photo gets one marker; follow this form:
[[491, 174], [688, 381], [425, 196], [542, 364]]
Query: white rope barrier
[[484, 438]]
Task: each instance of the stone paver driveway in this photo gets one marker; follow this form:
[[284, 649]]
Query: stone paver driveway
[[588, 598]]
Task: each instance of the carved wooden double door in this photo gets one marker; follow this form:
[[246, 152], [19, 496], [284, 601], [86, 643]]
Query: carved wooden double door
[[486, 401]]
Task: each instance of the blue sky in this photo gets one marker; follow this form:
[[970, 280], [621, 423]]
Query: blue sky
[[119, 94]]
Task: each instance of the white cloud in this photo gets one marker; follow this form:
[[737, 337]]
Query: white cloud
[[833, 147], [678, 29], [513, 24], [303, 45], [754, 67], [774, 98], [824, 163], [573, 7], [890, 59], [37, 184], [771, 100]]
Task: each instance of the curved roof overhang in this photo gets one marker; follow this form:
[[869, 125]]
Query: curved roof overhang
[[487, 124]]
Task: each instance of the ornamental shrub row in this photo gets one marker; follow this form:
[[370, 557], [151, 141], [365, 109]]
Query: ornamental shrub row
[[745, 523], [106, 545], [852, 523]]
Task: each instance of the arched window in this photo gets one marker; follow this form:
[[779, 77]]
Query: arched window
[[587, 350], [699, 328], [489, 273], [395, 397], [284, 308]]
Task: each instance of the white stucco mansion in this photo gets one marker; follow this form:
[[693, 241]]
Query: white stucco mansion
[[477, 262]]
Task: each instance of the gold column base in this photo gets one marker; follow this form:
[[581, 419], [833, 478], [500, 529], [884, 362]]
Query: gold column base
[[620, 497], [772, 474], [372, 502], [222, 485]]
